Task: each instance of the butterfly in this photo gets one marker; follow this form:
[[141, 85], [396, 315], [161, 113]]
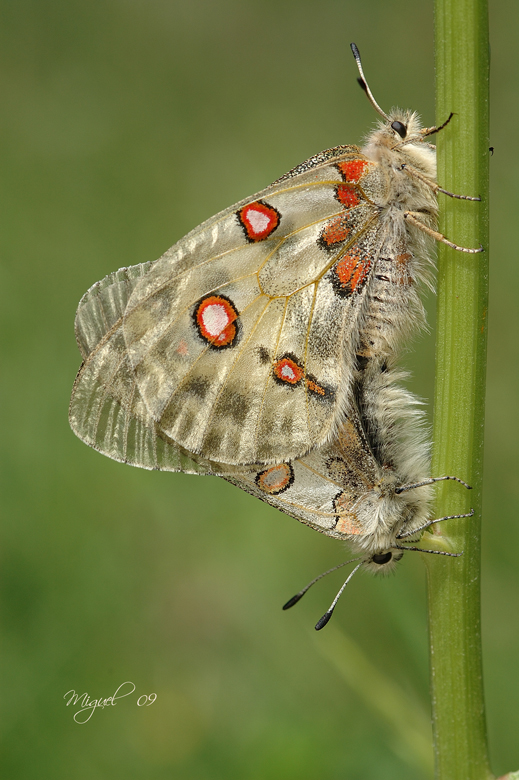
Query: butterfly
[[368, 486], [242, 340], [261, 347]]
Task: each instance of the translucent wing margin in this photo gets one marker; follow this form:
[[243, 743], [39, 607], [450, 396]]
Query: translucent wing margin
[[106, 410]]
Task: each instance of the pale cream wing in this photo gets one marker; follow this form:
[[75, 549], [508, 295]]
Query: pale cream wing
[[242, 336]]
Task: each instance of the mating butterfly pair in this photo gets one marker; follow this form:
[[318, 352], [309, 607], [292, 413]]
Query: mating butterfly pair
[[262, 346]]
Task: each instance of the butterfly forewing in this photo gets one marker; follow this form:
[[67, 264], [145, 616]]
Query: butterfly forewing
[[242, 336]]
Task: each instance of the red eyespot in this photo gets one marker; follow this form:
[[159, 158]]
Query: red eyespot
[[215, 318], [258, 220]]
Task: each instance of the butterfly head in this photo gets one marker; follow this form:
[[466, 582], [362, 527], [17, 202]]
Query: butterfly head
[[383, 561], [402, 127]]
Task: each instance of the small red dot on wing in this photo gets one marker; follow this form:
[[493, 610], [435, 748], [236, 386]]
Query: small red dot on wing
[[287, 370], [182, 348]]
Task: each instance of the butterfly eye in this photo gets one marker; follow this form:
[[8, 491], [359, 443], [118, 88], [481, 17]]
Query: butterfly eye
[[399, 128], [382, 558]]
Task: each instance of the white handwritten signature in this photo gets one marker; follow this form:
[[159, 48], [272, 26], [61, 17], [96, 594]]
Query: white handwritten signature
[[88, 705]]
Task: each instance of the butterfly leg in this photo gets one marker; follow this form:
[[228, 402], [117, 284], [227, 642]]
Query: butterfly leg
[[432, 130], [413, 173], [411, 217], [430, 481], [432, 522], [433, 552]]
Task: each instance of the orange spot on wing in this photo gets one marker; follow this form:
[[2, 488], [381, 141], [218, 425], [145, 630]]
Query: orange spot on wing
[[347, 522], [348, 525], [275, 479], [335, 231], [351, 272], [315, 387], [347, 195]]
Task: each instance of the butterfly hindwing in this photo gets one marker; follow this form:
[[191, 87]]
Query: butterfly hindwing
[[323, 488]]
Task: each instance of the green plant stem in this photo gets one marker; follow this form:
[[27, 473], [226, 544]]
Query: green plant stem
[[462, 66]]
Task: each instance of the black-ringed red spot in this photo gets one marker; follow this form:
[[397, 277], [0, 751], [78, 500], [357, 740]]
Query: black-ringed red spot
[[287, 371], [350, 274], [216, 321], [347, 195], [352, 170], [276, 479], [258, 220], [334, 232]]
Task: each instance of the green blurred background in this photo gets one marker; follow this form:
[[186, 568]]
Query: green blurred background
[[124, 124]]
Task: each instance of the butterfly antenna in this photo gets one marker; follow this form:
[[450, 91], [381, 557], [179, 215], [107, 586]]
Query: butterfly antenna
[[298, 596], [364, 84], [327, 615]]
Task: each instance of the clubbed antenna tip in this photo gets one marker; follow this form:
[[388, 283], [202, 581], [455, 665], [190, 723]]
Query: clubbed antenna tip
[[364, 84]]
